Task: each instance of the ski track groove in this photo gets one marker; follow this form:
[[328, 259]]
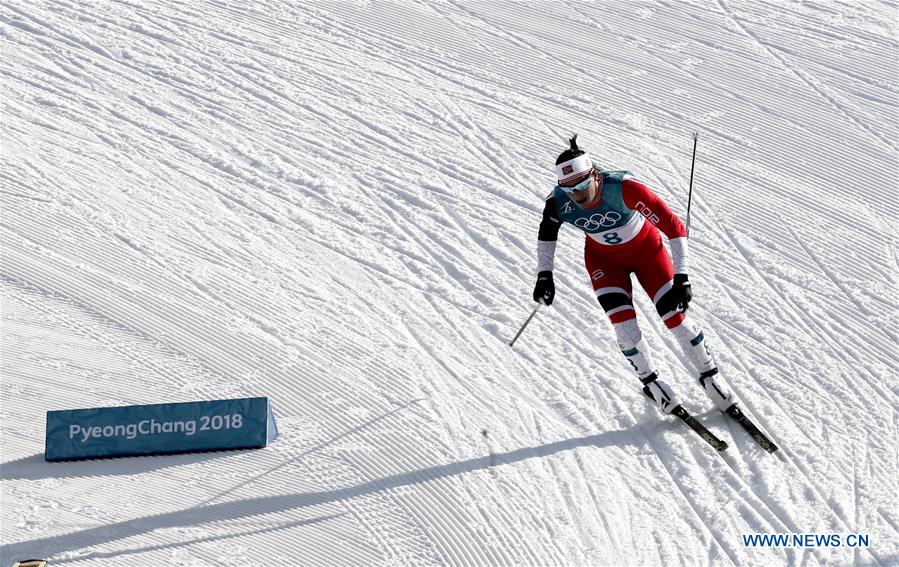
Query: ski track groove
[[750, 406], [793, 310], [673, 478], [771, 50], [671, 344], [759, 417], [731, 92], [689, 499], [84, 305], [468, 558], [835, 282], [461, 382], [763, 278], [91, 334]]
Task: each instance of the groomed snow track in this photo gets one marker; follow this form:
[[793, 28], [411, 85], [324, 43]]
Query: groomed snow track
[[334, 204]]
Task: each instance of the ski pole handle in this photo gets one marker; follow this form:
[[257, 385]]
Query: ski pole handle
[[521, 330]]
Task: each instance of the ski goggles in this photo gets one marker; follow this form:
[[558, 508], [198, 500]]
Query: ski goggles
[[580, 186]]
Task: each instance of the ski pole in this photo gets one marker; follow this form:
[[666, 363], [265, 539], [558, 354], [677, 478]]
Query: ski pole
[[692, 166], [521, 330]]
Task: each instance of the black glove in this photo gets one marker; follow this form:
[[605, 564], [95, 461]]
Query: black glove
[[679, 296], [545, 290]]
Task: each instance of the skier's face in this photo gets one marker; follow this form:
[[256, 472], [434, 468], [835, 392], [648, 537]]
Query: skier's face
[[587, 196]]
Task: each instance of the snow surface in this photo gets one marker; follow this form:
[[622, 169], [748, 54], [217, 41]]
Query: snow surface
[[335, 204]]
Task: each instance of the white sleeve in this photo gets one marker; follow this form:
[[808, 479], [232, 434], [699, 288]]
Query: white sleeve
[[679, 255], [546, 253]]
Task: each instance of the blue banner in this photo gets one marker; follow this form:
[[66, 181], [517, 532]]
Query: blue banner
[[159, 429]]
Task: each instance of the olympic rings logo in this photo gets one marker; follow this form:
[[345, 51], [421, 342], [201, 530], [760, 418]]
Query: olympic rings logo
[[597, 221]]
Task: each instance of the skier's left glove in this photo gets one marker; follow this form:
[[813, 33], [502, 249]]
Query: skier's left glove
[[678, 298], [545, 290]]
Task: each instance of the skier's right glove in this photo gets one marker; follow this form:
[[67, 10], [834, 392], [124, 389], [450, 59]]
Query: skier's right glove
[[545, 290], [678, 297]]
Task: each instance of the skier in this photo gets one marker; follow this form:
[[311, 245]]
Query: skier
[[622, 219]]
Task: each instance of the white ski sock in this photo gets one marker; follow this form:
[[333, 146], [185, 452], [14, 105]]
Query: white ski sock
[[633, 347], [696, 347], [694, 344]]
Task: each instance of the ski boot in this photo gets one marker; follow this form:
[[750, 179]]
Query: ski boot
[[698, 351], [718, 392], [660, 393]]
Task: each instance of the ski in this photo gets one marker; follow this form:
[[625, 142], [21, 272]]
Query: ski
[[699, 428], [751, 428]]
